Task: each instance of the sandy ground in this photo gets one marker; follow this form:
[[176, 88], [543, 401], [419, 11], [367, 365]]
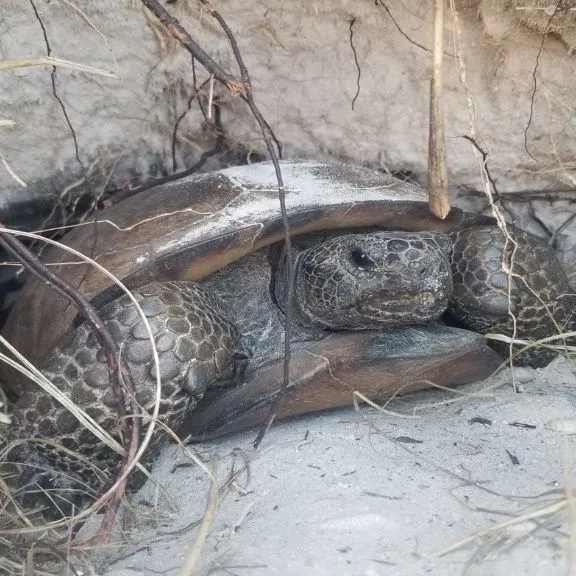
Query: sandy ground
[[369, 493]]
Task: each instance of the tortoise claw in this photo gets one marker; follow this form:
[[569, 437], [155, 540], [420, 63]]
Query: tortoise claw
[[57, 495]]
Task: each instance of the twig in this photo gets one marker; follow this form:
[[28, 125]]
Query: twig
[[510, 245], [268, 135], [352, 22], [437, 173], [234, 85], [153, 417], [491, 180], [195, 94], [14, 247], [248, 96]]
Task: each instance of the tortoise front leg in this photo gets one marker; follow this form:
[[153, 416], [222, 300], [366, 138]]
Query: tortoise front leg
[[539, 301], [197, 349]]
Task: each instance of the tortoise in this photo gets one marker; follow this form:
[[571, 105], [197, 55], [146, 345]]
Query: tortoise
[[374, 271]]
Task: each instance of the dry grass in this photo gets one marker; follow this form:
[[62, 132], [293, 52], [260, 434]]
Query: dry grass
[[58, 62], [24, 535]]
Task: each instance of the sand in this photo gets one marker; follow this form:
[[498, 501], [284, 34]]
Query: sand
[[367, 493]]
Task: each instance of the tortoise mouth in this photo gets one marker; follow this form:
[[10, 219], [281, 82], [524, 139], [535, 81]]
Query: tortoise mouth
[[420, 305]]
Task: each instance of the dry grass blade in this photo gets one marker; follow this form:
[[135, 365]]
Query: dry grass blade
[[10, 171], [30, 371], [458, 395], [358, 395], [547, 342], [58, 62], [540, 513], [189, 566], [88, 21]]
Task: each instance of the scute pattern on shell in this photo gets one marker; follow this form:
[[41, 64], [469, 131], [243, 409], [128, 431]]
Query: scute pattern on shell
[[195, 343]]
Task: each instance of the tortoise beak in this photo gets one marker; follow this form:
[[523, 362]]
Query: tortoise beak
[[327, 374]]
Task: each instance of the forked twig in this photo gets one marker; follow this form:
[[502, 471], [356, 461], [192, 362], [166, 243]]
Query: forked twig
[[243, 88], [178, 31]]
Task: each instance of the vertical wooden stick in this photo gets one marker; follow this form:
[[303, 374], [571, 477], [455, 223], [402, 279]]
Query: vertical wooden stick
[[437, 174]]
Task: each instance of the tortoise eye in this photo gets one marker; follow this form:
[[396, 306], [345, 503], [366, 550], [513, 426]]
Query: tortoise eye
[[361, 260]]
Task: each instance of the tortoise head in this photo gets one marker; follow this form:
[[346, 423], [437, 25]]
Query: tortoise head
[[364, 281]]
